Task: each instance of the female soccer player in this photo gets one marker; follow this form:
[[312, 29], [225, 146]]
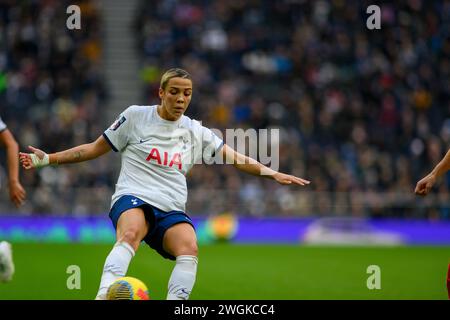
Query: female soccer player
[[158, 144]]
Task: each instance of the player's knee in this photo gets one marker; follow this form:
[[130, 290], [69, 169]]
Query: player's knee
[[189, 248], [131, 236]]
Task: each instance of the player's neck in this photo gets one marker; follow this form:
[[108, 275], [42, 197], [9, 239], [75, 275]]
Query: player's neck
[[163, 114]]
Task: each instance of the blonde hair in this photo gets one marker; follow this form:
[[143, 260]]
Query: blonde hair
[[173, 73]]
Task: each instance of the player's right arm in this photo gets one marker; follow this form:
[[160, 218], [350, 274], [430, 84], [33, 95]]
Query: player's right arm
[[79, 153], [424, 186]]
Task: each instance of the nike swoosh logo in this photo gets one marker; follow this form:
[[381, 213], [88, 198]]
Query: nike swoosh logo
[[142, 141]]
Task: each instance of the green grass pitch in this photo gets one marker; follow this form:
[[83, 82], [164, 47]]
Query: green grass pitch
[[226, 271]]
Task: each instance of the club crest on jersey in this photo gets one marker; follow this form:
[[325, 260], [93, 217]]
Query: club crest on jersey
[[175, 159], [118, 123]]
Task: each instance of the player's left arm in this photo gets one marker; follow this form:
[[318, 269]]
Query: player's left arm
[[253, 167], [17, 193]]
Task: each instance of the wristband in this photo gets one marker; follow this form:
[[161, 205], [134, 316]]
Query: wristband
[[38, 162]]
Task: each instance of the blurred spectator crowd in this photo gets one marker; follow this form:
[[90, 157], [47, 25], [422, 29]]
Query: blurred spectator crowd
[[363, 114], [51, 93]]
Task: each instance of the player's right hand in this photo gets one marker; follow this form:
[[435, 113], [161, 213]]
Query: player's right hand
[[36, 159], [424, 186]]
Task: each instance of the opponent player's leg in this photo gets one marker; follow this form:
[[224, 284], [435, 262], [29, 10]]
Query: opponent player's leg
[[131, 229], [181, 242], [6, 262]]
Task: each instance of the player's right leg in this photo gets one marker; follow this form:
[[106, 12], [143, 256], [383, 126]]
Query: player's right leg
[[6, 262], [131, 229]]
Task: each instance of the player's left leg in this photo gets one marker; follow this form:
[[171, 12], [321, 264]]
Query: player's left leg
[[6, 262], [181, 242]]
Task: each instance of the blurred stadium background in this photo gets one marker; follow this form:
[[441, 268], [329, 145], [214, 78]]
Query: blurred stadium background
[[363, 114]]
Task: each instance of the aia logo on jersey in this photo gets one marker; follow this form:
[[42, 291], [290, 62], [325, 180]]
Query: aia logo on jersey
[[117, 123], [175, 159]]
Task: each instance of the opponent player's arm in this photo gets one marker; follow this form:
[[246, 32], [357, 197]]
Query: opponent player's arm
[[442, 167], [16, 191], [253, 167], [12, 149], [79, 153], [426, 183]]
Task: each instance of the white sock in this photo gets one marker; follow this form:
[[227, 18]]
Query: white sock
[[116, 266], [182, 279]]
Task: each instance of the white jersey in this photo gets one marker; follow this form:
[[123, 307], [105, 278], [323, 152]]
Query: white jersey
[[157, 154], [2, 125]]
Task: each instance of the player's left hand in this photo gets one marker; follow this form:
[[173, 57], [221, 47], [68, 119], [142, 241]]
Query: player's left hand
[[283, 178], [17, 193]]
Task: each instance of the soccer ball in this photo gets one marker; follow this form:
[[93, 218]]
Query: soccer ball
[[127, 288]]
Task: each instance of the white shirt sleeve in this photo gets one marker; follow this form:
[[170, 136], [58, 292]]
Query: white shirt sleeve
[[211, 144], [118, 133], [2, 125]]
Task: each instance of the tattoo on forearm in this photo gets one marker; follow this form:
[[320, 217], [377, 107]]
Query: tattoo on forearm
[[77, 155]]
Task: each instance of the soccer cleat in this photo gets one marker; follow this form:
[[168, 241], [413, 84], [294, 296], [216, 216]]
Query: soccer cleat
[[6, 262]]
